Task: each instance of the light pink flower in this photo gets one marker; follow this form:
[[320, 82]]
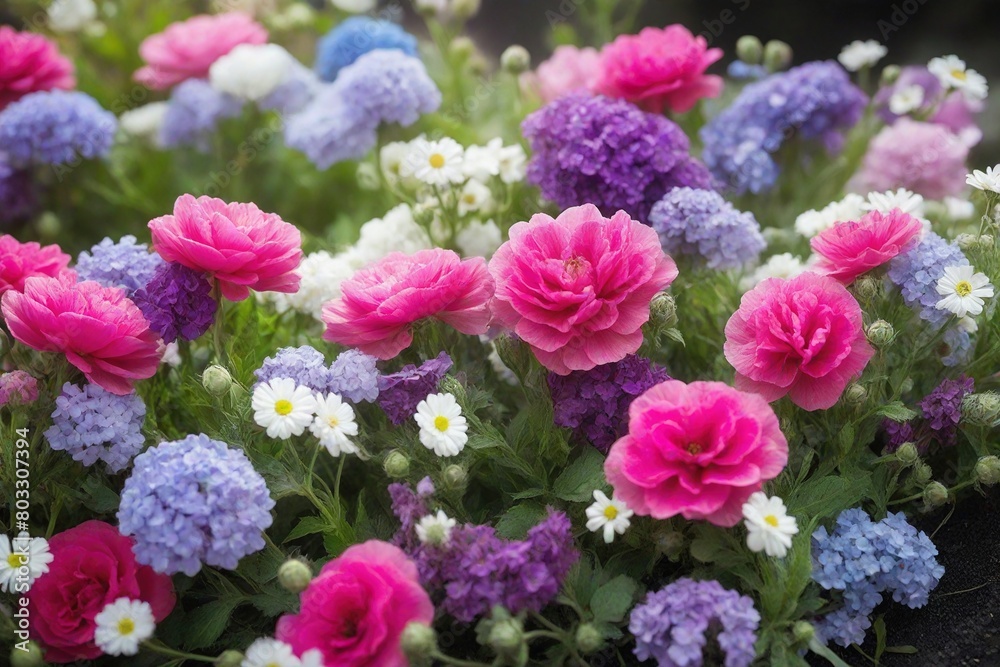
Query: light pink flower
[[355, 611], [849, 249], [236, 244], [698, 450], [577, 288], [380, 302], [568, 70], [187, 49], [659, 69], [19, 261], [18, 388], [29, 63], [802, 337], [98, 328]]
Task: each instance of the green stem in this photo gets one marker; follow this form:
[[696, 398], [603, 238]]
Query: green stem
[[918, 496], [448, 660], [336, 486], [217, 326], [163, 649], [312, 465]]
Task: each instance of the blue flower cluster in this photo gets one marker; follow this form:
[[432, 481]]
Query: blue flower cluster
[[194, 112], [352, 375], [125, 264], [865, 559], [355, 37], [56, 127], [93, 425], [917, 271], [813, 101], [194, 501]]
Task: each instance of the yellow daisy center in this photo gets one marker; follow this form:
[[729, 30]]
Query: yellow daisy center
[[283, 407], [436, 160], [959, 74], [16, 560], [694, 448], [441, 423], [963, 288], [771, 520], [469, 199], [333, 422], [126, 626], [610, 512]]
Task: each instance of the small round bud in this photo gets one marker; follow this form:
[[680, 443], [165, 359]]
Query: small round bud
[[418, 642], [987, 471], [397, 464], [855, 394], [49, 227], [30, 658], [449, 384], [935, 494], [867, 288], [217, 380], [455, 478], [428, 8], [981, 409], [465, 9], [588, 638], [294, 575], [663, 310], [880, 334], [515, 59], [368, 178], [229, 659], [777, 55], [922, 473], [749, 49], [506, 636], [461, 47], [803, 631], [890, 74], [907, 454], [906, 386]]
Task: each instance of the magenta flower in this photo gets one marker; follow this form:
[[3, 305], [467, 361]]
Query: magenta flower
[[568, 70], [801, 337], [30, 63], [698, 450], [20, 261], [577, 288], [849, 249]]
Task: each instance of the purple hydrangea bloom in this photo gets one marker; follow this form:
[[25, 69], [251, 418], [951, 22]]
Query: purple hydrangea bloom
[[354, 376], [741, 70], [330, 130], [194, 501], [670, 625], [178, 302], [815, 101], [95, 425], [17, 388], [125, 264], [942, 408], [294, 94], [56, 127], [702, 225], [18, 196], [195, 111], [595, 403], [388, 87], [608, 153], [917, 271], [306, 365], [354, 38], [399, 393]]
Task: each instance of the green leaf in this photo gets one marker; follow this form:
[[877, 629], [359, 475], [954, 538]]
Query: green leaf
[[275, 602], [822, 651], [824, 496], [613, 599], [309, 525], [577, 482], [207, 623], [99, 498], [897, 412], [879, 627], [905, 649], [705, 549], [515, 523], [530, 493]]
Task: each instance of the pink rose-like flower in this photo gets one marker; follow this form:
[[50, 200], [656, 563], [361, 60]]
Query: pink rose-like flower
[[356, 609], [659, 69], [802, 337], [698, 450], [237, 244], [92, 566], [98, 328], [30, 63], [577, 288], [380, 302], [18, 388], [187, 49], [568, 70], [849, 249], [20, 261]]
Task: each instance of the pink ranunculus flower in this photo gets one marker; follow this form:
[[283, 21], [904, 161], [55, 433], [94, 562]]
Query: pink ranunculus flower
[[98, 328], [380, 303], [802, 337], [236, 244], [659, 69], [187, 49], [30, 63], [20, 261], [577, 288], [355, 610], [92, 566], [849, 249], [568, 70], [698, 450]]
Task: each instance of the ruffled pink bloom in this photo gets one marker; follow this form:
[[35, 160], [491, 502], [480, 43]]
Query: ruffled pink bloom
[[381, 302], [30, 63], [356, 609], [802, 337], [851, 248], [698, 450], [577, 288], [98, 328], [568, 70], [659, 69], [18, 388], [20, 261], [236, 244], [187, 49]]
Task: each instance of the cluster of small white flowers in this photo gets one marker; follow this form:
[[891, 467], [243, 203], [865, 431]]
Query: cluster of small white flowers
[[145, 122], [285, 409], [858, 54], [267, 652], [251, 72], [811, 223], [71, 15], [783, 265]]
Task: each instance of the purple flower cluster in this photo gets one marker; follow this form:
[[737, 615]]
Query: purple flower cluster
[[595, 403], [329, 130], [56, 127], [942, 411], [18, 198], [125, 264], [864, 559], [195, 111], [354, 375], [700, 224], [671, 624], [306, 365], [194, 501], [917, 271], [17, 388], [178, 302], [93, 425], [399, 393], [608, 153], [815, 101]]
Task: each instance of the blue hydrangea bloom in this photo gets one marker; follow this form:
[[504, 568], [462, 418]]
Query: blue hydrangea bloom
[[354, 38], [194, 112], [194, 501], [294, 94], [354, 376], [815, 101], [741, 70], [329, 130], [306, 365], [389, 86], [95, 425], [702, 225], [917, 272], [56, 127], [125, 264]]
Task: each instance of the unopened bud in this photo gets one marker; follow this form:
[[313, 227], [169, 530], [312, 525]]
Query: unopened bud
[[588, 638], [981, 409], [987, 471], [975, 242], [935, 495], [368, 178], [749, 49], [890, 74], [462, 47], [880, 334], [515, 59], [465, 9], [663, 310], [803, 631], [777, 55], [32, 657], [855, 394], [867, 288], [217, 380], [907, 454], [455, 478], [449, 384], [418, 643], [506, 635], [397, 464], [49, 227], [922, 473], [294, 575], [906, 386], [229, 659]]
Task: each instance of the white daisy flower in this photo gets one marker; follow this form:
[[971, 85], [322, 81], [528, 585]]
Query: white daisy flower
[[769, 528], [783, 265], [283, 408], [434, 162], [22, 560], [483, 162], [435, 528], [267, 652], [953, 74], [958, 208], [963, 290], [906, 99], [442, 426], [611, 515], [513, 163], [123, 625], [858, 54], [475, 197], [334, 424], [903, 199], [988, 181]]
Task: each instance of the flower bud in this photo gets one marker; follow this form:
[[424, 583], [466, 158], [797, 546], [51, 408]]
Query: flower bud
[[461, 47], [867, 288], [428, 8], [217, 380], [749, 49], [588, 638], [981, 409], [506, 633], [855, 394], [397, 464], [777, 55], [229, 659], [907, 454], [669, 542], [294, 575], [922, 473], [987, 471], [890, 74], [803, 631], [30, 658], [49, 227], [455, 478], [663, 311], [465, 9], [935, 495], [449, 384], [515, 59], [880, 334], [418, 643], [906, 386], [368, 178]]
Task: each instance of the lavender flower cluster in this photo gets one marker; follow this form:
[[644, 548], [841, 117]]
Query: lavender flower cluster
[[124, 264], [942, 412], [178, 302], [353, 374], [56, 127]]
